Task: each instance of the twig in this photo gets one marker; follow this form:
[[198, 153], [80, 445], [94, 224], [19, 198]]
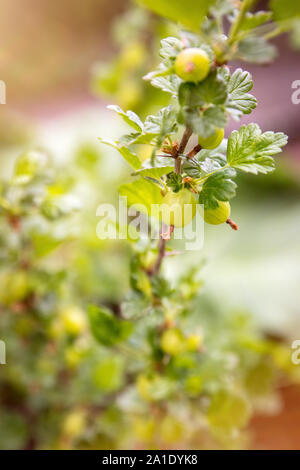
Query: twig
[[160, 257], [184, 141], [194, 151], [185, 138], [163, 240], [272, 34], [177, 167], [245, 6]]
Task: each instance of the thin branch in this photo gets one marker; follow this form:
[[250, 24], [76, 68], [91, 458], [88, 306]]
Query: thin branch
[[163, 240], [184, 141], [177, 167], [194, 151], [275, 32], [245, 6], [160, 257]]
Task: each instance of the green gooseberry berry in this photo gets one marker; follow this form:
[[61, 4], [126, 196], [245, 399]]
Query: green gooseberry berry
[[219, 215], [178, 209], [192, 64], [213, 141]]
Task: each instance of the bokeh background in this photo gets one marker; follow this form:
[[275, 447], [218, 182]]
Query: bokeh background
[[51, 59]]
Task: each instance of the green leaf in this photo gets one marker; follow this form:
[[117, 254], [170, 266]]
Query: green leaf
[[139, 280], [136, 138], [135, 305], [54, 207], [28, 165], [218, 187], [204, 122], [212, 90], [156, 128], [253, 20], [239, 100], [256, 50], [203, 163], [162, 124], [194, 99], [164, 69], [163, 77], [222, 7], [174, 181], [129, 156], [129, 117], [285, 9], [195, 40], [155, 172], [106, 328], [190, 12], [168, 84], [251, 151], [170, 48], [142, 192], [161, 287]]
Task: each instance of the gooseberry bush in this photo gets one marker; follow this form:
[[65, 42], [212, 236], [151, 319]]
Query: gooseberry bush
[[164, 366], [180, 369]]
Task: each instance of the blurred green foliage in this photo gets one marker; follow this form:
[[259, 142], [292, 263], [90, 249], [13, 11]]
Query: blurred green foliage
[[62, 389], [100, 355], [136, 34]]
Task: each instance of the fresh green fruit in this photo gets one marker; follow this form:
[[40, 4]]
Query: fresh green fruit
[[144, 387], [172, 342], [193, 342], [194, 385], [108, 374], [178, 209], [74, 355], [14, 287], [212, 141], [219, 215], [74, 423], [56, 328], [148, 259], [74, 320], [192, 64]]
